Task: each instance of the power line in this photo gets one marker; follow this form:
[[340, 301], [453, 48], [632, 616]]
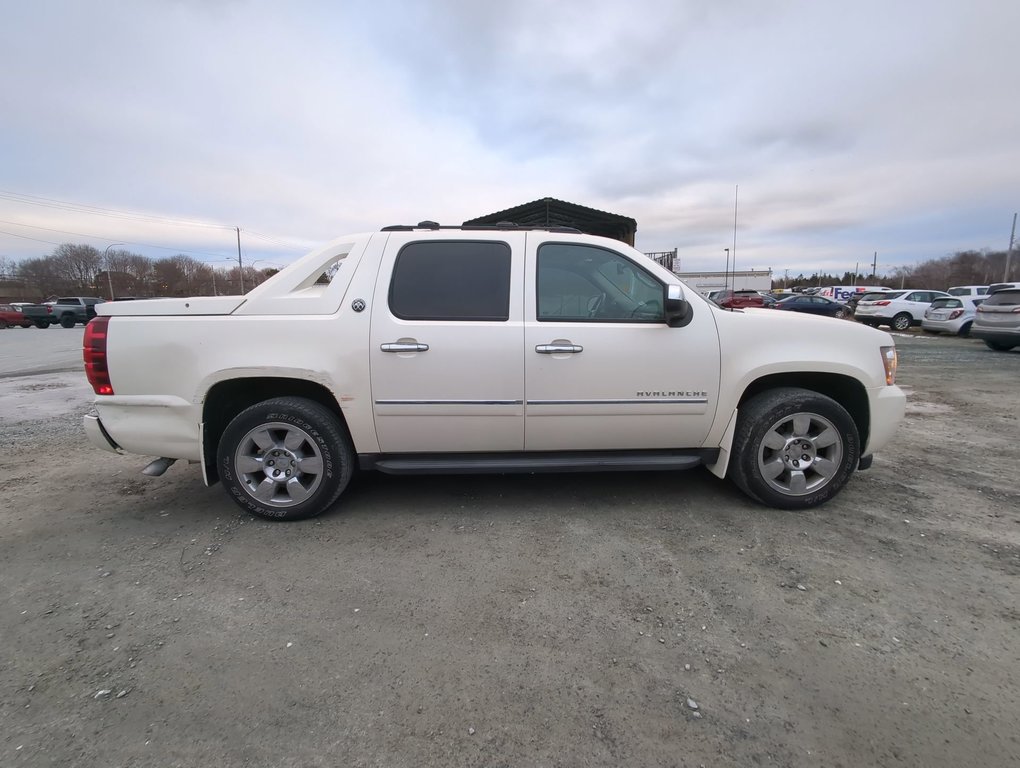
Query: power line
[[65, 205], [26, 237], [98, 237]]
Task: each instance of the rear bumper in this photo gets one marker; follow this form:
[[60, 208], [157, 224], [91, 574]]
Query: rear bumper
[[97, 434], [944, 326], [1006, 336]]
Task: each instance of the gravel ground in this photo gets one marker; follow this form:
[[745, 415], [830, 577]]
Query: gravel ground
[[621, 619]]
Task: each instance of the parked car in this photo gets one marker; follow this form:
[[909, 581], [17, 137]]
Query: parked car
[[876, 295], [739, 299], [814, 305], [11, 315], [899, 309], [951, 315], [968, 290], [1002, 286], [997, 321]]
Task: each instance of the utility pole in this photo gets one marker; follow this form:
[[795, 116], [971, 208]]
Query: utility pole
[[874, 265], [240, 267], [1009, 252], [726, 274], [736, 189]]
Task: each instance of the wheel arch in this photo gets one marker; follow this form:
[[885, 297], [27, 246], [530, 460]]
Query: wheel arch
[[845, 390], [225, 399]]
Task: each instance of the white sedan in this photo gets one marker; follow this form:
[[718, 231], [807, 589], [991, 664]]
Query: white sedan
[[951, 315]]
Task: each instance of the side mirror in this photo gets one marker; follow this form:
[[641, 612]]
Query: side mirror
[[677, 309]]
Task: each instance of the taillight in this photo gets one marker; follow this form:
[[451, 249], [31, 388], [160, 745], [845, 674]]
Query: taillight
[[955, 314], [94, 354], [882, 303]]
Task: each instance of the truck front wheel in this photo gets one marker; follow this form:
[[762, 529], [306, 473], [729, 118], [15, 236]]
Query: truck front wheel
[[793, 448], [288, 458]]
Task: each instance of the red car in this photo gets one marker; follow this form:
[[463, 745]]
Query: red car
[[12, 316], [738, 299]]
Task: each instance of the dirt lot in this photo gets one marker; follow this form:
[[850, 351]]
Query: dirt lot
[[520, 620]]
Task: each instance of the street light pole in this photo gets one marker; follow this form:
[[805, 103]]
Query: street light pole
[[1009, 252], [106, 257], [240, 267], [726, 274]]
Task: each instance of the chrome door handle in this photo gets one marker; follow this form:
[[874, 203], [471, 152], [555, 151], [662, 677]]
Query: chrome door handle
[[403, 346], [554, 349]]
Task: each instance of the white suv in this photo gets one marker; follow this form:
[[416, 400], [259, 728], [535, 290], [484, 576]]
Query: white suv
[[899, 309]]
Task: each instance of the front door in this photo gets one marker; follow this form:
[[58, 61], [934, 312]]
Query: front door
[[447, 342], [603, 371]]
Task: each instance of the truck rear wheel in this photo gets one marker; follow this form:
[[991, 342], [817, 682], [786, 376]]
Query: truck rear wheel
[[793, 448], [67, 321], [42, 323], [288, 458]]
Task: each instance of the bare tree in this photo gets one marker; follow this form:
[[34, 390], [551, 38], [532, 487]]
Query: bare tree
[[79, 265]]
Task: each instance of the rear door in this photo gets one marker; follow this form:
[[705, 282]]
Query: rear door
[[447, 343]]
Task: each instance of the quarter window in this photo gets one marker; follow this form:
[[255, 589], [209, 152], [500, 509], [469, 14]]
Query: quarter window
[[451, 280], [582, 283]]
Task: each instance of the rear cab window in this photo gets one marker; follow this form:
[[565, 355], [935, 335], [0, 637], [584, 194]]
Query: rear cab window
[[452, 280]]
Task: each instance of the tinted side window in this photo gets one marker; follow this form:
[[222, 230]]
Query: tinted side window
[[585, 283], [451, 280]]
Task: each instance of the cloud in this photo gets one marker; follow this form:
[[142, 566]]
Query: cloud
[[849, 129]]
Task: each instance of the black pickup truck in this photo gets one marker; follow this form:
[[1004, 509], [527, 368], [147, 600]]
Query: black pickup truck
[[67, 310]]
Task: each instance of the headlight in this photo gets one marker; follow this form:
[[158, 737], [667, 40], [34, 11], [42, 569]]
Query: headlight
[[889, 360]]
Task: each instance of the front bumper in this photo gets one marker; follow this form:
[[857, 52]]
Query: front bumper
[[888, 404]]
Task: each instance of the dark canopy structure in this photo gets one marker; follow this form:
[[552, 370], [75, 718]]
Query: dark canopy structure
[[550, 212]]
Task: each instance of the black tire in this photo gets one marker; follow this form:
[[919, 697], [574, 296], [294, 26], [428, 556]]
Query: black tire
[[998, 346], [316, 437], [842, 314], [829, 465], [42, 323], [67, 321], [965, 330], [4, 324], [902, 322]]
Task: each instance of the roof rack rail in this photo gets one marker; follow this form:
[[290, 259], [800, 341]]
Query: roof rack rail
[[501, 226]]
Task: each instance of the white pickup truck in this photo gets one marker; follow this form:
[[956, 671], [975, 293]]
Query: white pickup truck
[[428, 349]]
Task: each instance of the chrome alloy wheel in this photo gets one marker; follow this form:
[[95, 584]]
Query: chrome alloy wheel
[[279, 464], [800, 454]]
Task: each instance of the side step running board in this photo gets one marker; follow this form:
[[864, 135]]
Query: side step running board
[[488, 463]]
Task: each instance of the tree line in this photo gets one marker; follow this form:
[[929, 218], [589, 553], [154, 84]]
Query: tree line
[[82, 270], [961, 268]]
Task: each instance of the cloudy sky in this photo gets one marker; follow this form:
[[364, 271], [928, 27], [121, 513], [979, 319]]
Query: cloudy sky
[[849, 127]]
